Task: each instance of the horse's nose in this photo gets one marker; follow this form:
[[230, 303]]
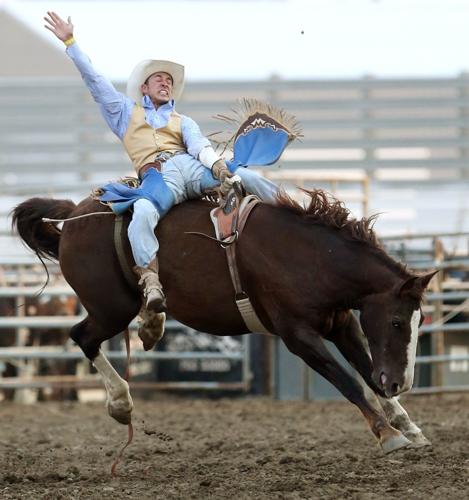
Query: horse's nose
[[390, 388], [395, 389]]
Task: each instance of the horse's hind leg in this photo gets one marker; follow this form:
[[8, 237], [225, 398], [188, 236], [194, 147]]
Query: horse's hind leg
[[308, 344], [351, 342], [89, 336]]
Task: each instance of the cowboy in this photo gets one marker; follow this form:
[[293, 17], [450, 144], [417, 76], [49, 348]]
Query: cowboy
[[173, 160]]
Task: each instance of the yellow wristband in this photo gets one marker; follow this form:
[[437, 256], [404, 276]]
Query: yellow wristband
[[69, 41]]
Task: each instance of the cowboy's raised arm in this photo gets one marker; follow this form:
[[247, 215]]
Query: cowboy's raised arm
[[61, 29], [113, 103]]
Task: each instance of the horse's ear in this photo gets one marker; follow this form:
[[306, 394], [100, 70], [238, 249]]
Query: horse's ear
[[409, 287], [426, 279], [415, 285]]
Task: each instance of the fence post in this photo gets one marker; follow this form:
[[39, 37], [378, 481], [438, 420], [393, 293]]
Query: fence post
[[367, 113], [26, 368], [464, 130], [437, 338]]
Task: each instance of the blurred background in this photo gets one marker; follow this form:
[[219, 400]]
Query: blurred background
[[381, 90]]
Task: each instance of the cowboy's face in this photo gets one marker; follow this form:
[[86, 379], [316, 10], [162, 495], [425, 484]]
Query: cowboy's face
[[159, 88]]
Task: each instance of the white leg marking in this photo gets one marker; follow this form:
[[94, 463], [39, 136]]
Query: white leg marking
[[388, 443], [399, 419], [370, 395], [412, 350], [119, 402], [395, 413]]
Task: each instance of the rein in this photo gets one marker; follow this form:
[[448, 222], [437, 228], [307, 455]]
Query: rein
[[46, 219], [130, 428]]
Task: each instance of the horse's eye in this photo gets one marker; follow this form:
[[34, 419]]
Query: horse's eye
[[396, 323]]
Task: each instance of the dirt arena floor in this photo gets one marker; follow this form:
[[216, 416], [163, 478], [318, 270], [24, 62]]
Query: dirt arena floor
[[230, 448]]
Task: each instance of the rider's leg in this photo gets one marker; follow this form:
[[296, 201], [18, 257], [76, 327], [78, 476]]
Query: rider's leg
[[198, 179], [256, 184], [144, 249]]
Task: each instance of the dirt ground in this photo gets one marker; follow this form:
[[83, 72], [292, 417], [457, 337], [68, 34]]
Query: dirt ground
[[230, 448]]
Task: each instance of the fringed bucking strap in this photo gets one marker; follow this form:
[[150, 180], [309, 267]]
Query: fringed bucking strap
[[130, 428]]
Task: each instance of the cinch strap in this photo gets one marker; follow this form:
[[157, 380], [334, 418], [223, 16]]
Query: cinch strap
[[119, 244], [242, 300]]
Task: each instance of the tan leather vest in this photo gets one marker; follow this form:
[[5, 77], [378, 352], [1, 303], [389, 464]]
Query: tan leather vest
[[143, 142]]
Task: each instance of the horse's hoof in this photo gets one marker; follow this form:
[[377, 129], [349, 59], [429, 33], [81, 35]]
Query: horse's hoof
[[395, 443], [121, 410], [418, 440]]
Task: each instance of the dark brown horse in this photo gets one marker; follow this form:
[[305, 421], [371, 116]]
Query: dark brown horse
[[304, 270]]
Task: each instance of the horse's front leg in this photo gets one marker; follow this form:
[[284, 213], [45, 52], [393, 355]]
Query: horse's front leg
[[400, 419], [308, 344], [348, 337], [89, 336]]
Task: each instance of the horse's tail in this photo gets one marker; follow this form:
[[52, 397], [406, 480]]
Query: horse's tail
[[42, 237]]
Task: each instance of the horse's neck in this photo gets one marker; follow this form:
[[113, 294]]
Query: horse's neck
[[315, 260], [362, 270], [347, 270]]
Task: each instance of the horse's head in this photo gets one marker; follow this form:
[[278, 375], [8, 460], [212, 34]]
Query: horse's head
[[390, 321]]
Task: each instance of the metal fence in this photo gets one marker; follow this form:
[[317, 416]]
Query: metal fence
[[238, 352], [53, 140], [418, 125]]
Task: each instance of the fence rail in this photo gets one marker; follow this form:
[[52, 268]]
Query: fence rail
[[56, 141], [21, 355], [73, 353], [366, 123]]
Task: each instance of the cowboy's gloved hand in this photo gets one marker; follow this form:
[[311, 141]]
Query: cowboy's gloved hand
[[220, 171], [63, 30], [227, 184]]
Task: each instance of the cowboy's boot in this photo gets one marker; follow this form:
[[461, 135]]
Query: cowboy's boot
[[149, 282]]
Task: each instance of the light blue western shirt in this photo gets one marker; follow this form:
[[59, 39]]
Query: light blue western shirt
[[116, 107], [184, 175]]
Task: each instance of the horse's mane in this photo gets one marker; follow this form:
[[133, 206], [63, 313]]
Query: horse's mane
[[326, 210]]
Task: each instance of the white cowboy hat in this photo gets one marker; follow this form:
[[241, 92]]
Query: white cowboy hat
[[147, 68]]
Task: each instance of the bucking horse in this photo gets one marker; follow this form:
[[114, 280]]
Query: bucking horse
[[305, 269]]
